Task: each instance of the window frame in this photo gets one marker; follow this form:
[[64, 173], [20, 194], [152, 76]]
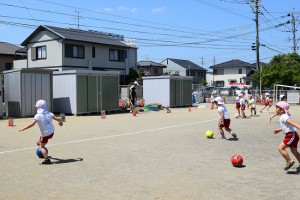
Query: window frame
[[74, 51], [117, 55]]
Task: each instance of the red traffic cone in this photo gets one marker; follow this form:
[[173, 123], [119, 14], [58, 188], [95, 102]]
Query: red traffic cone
[[134, 113], [10, 121]]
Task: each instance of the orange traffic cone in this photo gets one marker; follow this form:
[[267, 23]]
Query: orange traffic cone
[[190, 109], [134, 113], [10, 121]]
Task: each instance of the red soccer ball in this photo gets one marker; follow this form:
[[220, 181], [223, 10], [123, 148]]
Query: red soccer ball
[[237, 160]]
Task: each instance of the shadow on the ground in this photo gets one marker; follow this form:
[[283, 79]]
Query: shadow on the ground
[[64, 161], [242, 166], [296, 172]]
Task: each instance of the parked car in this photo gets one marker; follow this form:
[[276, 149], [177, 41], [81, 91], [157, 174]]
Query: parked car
[[226, 91], [207, 92]]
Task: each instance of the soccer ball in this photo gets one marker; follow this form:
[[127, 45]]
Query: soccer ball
[[237, 160], [209, 134], [39, 153]]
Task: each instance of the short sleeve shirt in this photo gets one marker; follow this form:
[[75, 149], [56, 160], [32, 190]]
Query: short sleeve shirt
[[45, 123], [285, 126], [223, 109]]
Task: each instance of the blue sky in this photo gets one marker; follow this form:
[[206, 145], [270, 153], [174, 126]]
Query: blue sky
[[202, 31]]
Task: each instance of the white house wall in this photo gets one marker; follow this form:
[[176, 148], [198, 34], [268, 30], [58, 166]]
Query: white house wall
[[173, 68], [156, 91], [230, 73], [53, 50]]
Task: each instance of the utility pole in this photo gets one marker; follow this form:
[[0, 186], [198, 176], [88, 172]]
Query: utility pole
[[294, 33], [258, 67], [78, 18]]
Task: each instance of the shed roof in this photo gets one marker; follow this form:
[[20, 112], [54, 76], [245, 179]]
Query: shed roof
[[78, 35], [232, 64], [8, 49], [187, 64]]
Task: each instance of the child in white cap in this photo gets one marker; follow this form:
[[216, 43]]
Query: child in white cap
[[267, 103], [288, 127], [224, 121], [44, 120]]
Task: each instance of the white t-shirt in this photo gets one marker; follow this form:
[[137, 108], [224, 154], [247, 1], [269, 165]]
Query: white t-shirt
[[223, 109], [237, 99], [286, 127], [252, 101], [45, 123], [242, 101], [212, 98]]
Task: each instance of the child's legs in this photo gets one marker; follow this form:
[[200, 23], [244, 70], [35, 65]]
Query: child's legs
[[221, 131], [228, 129], [238, 111], [43, 150], [295, 153], [283, 152]]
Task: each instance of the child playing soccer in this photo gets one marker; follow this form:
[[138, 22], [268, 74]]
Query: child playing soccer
[[212, 99], [291, 136], [224, 121], [267, 104], [44, 120], [237, 105], [243, 105], [281, 98], [252, 105]]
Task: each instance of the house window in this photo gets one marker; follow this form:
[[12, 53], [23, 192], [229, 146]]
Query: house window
[[38, 53], [117, 55], [93, 52], [220, 83], [155, 71], [74, 51], [240, 71], [192, 73], [218, 71], [8, 66]]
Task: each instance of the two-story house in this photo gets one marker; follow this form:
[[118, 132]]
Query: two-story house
[[68, 49], [8, 53], [151, 68], [184, 68], [232, 73]]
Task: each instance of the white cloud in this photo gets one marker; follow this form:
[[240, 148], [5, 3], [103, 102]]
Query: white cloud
[[122, 8], [158, 10], [107, 9]]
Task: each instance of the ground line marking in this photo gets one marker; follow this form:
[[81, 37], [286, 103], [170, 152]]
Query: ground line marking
[[111, 136]]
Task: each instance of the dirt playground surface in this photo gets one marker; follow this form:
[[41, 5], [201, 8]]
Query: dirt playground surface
[[155, 155]]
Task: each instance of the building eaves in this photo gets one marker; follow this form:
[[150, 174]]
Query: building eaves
[[150, 64], [78, 35], [232, 64], [187, 64], [8, 49]]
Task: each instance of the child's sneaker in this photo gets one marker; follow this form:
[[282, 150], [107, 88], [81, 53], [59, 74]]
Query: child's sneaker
[[47, 161], [234, 135], [289, 165], [223, 138]]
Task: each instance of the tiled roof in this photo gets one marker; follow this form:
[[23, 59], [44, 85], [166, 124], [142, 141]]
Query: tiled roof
[[8, 49], [78, 35], [187, 64], [150, 64], [232, 64]]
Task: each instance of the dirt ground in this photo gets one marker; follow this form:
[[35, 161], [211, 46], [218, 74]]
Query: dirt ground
[[155, 155]]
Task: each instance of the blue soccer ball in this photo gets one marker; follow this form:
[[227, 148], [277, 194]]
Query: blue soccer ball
[[39, 153]]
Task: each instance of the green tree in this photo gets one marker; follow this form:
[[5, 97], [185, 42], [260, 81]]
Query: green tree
[[133, 75], [283, 69], [203, 82]]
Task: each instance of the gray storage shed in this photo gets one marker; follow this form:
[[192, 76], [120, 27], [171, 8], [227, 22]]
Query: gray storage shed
[[85, 91], [23, 87], [170, 91], [1, 98]]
